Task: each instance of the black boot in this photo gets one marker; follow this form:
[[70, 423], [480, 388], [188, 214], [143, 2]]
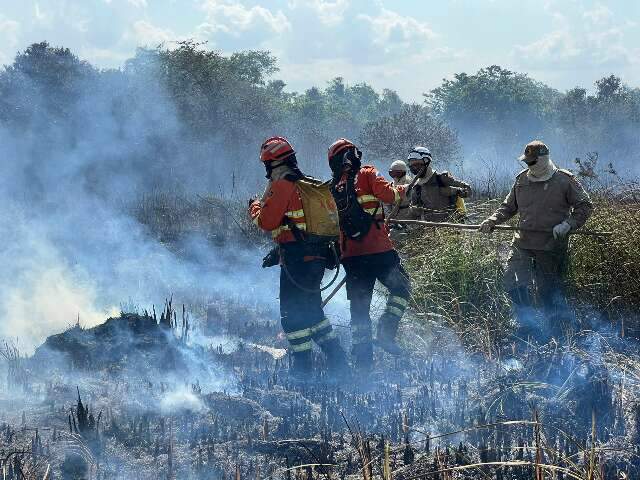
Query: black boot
[[387, 331], [336, 357], [301, 368], [362, 357]]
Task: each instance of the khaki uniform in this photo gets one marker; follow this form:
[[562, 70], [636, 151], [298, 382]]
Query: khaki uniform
[[541, 206], [434, 199]]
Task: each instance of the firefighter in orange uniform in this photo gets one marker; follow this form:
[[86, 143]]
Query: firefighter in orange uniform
[[367, 252], [302, 262]]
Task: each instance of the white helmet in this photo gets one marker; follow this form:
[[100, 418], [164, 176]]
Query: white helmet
[[398, 166], [419, 153]]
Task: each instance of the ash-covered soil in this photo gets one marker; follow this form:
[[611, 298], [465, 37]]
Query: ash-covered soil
[[133, 398]]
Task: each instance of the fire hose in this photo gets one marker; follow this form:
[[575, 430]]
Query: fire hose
[[464, 226]]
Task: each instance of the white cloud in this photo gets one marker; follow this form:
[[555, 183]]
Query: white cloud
[[392, 31], [42, 16], [138, 3], [556, 46], [599, 15], [591, 38], [145, 33], [330, 13], [233, 18], [9, 36]]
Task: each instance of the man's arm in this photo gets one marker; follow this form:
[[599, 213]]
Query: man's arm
[[383, 190], [269, 213], [452, 186], [579, 200], [507, 209]]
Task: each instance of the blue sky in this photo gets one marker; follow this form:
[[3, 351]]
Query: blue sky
[[407, 45]]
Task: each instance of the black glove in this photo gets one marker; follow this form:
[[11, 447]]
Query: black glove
[[272, 258]]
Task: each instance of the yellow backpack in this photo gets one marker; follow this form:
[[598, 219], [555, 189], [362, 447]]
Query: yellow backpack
[[320, 211], [461, 208]]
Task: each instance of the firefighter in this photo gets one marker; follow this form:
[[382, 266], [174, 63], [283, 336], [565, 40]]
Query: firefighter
[[399, 176], [436, 197], [302, 263], [551, 201], [367, 252]]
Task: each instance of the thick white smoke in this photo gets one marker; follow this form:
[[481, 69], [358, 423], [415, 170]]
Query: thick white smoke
[[69, 247]]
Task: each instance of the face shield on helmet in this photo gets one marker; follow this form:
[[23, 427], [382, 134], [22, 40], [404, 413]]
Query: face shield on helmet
[[419, 160], [344, 157]]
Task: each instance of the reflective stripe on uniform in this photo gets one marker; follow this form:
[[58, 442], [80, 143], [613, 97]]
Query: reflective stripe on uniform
[[285, 228], [322, 331], [367, 198], [305, 332], [331, 334], [395, 311], [295, 214], [302, 347], [402, 302], [320, 325]]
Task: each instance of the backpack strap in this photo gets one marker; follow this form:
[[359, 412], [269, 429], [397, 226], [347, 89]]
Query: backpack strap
[[298, 234]]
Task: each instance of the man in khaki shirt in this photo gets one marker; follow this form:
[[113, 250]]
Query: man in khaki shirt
[[552, 202], [399, 176], [434, 196]]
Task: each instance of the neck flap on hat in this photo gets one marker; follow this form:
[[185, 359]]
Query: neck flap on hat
[[542, 170]]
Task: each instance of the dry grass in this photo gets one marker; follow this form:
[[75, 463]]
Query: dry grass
[[458, 275]]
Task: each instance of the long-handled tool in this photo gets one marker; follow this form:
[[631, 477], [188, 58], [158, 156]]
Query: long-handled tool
[[464, 226], [334, 291]]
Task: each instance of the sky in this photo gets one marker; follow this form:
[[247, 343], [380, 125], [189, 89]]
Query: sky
[[405, 45]]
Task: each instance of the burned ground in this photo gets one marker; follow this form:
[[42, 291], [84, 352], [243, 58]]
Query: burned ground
[[150, 414]]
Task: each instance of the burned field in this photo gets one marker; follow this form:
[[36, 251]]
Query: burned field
[[136, 398]]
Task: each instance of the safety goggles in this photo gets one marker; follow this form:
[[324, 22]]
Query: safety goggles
[[397, 173], [418, 156]]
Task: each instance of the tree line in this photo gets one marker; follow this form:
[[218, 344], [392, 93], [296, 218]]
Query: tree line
[[188, 111]]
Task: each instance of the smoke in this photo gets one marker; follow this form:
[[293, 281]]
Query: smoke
[[71, 248], [180, 401]]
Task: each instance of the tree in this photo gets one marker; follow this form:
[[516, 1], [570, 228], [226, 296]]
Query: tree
[[390, 138]]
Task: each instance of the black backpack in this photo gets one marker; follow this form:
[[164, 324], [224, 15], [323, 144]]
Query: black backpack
[[355, 223]]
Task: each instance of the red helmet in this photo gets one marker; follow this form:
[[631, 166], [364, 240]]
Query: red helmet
[[338, 147], [275, 148]]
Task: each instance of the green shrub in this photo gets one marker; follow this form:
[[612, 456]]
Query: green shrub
[[604, 272], [458, 277]]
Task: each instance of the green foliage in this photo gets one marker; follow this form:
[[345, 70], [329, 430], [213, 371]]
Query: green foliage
[[605, 272], [41, 78], [497, 111], [178, 103], [458, 277], [494, 97], [390, 137]]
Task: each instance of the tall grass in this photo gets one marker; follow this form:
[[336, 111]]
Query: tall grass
[[458, 275], [605, 272]]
